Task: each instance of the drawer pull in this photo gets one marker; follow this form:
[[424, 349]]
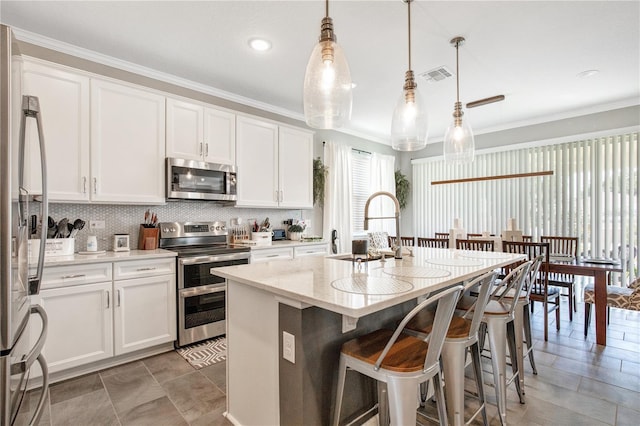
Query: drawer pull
[[66, 277], [108, 302], [146, 269], [272, 255]]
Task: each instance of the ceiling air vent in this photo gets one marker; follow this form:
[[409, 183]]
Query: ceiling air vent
[[437, 74]]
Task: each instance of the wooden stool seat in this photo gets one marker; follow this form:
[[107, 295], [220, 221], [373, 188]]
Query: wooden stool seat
[[406, 355], [493, 307], [423, 322]]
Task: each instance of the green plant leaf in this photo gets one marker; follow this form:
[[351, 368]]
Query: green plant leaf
[[402, 189]]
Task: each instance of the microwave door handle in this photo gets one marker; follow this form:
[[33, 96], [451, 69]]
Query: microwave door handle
[[31, 108]]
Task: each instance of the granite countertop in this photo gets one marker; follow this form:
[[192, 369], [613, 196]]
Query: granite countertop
[[340, 286], [107, 256]]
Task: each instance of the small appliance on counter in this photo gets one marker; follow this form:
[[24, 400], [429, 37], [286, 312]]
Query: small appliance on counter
[[279, 235]]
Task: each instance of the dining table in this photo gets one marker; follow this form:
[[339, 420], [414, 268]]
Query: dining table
[[598, 269]]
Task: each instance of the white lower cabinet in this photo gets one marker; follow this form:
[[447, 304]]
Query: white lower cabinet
[[267, 255], [311, 250], [93, 321], [290, 252], [80, 325], [143, 316]]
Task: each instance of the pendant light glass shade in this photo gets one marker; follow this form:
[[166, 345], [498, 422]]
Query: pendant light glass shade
[[410, 121], [459, 143], [327, 82]]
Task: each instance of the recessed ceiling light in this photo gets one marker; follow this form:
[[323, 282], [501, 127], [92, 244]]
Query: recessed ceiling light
[[587, 73], [260, 44]]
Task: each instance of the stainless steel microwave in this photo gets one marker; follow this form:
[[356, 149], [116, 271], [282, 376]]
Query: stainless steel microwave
[[198, 180]]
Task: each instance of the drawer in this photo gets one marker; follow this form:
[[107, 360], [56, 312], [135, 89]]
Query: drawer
[[65, 276], [315, 250], [271, 254], [143, 268]]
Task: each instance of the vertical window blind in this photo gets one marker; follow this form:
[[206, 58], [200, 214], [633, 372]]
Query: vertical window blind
[[360, 190], [592, 194]]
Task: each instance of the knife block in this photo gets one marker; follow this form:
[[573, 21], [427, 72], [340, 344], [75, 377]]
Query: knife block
[[148, 238]]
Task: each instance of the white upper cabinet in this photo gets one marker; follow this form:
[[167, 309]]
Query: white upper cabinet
[[127, 144], [64, 109], [257, 158], [295, 171], [275, 165], [199, 132]]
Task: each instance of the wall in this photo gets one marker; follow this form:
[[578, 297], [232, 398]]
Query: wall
[[570, 129], [125, 219]]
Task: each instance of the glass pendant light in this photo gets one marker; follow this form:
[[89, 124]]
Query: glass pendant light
[[327, 82], [459, 145], [409, 122]]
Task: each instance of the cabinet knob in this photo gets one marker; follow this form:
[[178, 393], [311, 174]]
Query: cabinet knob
[[84, 184]]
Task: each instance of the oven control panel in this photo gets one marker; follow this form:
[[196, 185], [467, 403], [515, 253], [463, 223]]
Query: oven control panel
[[192, 229]]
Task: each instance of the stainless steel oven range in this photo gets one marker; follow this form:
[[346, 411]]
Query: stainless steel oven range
[[201, 294]]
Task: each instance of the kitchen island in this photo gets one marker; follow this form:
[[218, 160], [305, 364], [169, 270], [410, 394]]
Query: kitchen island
[[320, 303]]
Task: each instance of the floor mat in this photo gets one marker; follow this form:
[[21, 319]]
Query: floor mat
[[203, 354]]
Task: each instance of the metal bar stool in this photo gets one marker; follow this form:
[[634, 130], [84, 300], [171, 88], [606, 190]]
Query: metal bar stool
[[462, 336], [401, 361], [498, 322]]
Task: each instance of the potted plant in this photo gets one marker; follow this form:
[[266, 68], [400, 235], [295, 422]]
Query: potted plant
[[295, 231], [402, 189]]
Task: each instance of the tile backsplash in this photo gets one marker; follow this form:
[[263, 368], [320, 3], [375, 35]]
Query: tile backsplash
[[126, 219]]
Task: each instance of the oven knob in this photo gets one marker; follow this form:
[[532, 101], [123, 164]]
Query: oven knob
[[172, 229], [165, 230], [217, 227], [222, 228]]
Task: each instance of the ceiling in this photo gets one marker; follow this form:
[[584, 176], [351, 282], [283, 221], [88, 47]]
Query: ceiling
[[529, 51]]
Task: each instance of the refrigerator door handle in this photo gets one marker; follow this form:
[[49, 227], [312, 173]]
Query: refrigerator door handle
[[31, 108], [24, 365], [45, 391]]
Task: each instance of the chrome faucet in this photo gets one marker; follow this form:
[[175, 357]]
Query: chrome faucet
[[398, 247]]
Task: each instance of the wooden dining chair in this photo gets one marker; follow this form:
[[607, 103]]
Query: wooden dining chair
[[565, 247], [527, 238], [442, 235], [433, 242], [406, 241], [478, 245], [469, 236], [541, 291]]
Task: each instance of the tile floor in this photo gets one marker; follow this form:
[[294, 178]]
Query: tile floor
[[578, 383]]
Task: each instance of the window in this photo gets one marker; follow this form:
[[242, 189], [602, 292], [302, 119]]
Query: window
[[592, 194], [360, 173]]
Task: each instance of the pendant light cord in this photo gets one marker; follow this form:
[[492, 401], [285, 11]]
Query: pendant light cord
[[327, 8], [409, 27], [457, 74]]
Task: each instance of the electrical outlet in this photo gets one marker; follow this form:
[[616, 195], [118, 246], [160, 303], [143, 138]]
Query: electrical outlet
[[289, 347], [96, 224]]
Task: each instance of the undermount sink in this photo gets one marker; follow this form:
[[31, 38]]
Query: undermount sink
[[349, 258]]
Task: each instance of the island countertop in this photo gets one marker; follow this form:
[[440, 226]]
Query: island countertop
[[339, 286]]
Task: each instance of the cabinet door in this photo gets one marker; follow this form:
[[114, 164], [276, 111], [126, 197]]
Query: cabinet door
[[127, 144], [144, 313], [311, 250], [185, 137], [267, 255], [257, 158], [219, 136], [295, 161], [64, 109], [80, 324]]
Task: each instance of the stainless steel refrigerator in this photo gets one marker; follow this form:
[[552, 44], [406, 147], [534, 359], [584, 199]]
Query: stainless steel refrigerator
[[17, 352]]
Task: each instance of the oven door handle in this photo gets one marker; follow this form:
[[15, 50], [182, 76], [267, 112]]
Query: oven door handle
[[199, 291], [210, 259]]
